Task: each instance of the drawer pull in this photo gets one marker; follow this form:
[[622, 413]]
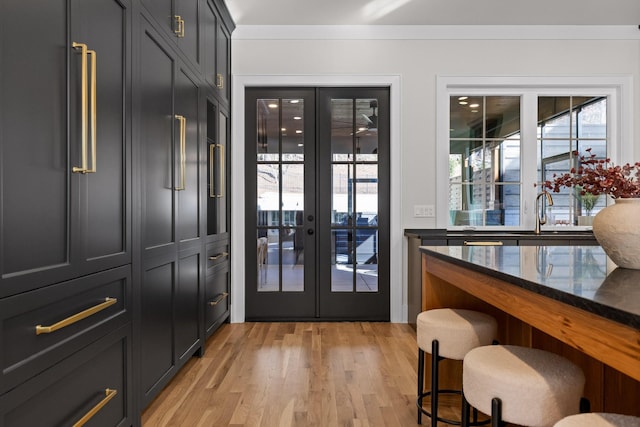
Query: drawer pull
[[218, 256], [109, 394], [219, 298], [76, 317], [468, 243]]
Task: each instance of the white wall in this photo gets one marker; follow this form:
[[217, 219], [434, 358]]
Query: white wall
[[417, 63]]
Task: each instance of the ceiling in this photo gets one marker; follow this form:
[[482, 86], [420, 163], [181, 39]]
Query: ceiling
[[435, 12]]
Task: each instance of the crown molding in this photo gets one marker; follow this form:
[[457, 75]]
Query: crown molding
[[436, 32]]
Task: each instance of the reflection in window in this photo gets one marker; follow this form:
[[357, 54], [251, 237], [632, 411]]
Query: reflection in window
[[484, 160], [485, 171], [568, 125]]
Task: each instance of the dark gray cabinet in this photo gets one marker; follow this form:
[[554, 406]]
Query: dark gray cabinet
[[217, 61], [105, 234], [179, 20], [171, 222], [57, 223], [65, 211]]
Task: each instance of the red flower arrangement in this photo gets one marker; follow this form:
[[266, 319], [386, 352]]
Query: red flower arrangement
[[600, 176]]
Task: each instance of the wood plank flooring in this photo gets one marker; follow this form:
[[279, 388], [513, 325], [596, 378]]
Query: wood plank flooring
[[356, 374]]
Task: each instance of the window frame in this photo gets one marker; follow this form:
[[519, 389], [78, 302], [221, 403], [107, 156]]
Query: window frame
[[617, 90]]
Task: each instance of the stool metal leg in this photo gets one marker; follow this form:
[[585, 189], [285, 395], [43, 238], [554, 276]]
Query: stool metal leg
[[465, 412], [420, 382], [435, 358], [496, 413]]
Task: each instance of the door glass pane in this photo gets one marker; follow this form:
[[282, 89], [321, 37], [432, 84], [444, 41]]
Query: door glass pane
[[342, 128], [268, 256], [292, 129], [268, 129], [292, 269], [367, 130], [268, 194], [342, 260], [367, 257], [354, 214]]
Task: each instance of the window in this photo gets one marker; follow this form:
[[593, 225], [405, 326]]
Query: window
[[502, 140]]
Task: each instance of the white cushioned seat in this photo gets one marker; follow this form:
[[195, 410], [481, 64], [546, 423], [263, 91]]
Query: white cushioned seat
[[536, 387], [456, 330], [598, 419]]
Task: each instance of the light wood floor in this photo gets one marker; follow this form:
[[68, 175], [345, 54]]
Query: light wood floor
[[296, 374]]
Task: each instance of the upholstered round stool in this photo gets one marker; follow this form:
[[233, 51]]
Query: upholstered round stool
[[597, 419], [521, 385], [448, 333]]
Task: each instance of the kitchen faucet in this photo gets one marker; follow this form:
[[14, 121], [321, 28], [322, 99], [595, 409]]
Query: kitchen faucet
[[542, 219]]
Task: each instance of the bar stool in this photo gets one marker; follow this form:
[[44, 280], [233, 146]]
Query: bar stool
[[520, 385], [599, 419], [448, 333]]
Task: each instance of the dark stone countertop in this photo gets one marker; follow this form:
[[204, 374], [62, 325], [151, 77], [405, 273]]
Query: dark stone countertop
[[581, 276], [440, 233]]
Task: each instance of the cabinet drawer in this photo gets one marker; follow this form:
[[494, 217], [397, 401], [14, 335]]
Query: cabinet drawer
[[217, 253], [217, 297], [42, 327], [91, 381]]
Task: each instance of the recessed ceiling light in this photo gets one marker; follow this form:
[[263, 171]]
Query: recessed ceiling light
[[297, 118], [273, 105], [474, 105], [474, 111], [294, 101], [300, 145], [462, 98], [283, 129], [463, 102], [298, 131]]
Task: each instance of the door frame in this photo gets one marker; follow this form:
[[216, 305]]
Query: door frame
[[397, 280]]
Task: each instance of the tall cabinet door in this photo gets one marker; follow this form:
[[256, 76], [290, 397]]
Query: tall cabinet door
[[104, 205], [187, 291], [53, 225], [170, 233]]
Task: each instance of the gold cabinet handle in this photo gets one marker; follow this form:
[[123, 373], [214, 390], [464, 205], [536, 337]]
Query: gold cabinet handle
[[84, 52], [179, 31], [183, 150], [212, 170], [109, 394], [76, 317], [471, 243], [218, 299], [218, 256], [219, 81]]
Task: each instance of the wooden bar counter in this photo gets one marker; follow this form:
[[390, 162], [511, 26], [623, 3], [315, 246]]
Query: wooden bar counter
[[567, 299]]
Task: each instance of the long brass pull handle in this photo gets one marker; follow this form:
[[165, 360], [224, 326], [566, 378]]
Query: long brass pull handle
[[83, 105], [220, 81], [94, 58], [212, 181], [109, 394], [84, 52], [179, 31], [212, 170], [218, 256], [183, 150], [218, 299], [470, 243], [76, 317]]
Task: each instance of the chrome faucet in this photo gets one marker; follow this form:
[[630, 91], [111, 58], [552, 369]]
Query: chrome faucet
[[541, 219]]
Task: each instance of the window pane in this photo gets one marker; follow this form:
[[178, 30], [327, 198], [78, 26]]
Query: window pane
[[342, 267], [567, 124], [268, 128], [367, 257], [268, 194], [366, 130], [342, 198], [292, 129], [342, 124]]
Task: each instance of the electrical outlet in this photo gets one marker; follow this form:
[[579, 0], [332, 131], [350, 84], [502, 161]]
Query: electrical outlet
[[424, 211]]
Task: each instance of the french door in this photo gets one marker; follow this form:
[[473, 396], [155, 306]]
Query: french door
[[317, 200]]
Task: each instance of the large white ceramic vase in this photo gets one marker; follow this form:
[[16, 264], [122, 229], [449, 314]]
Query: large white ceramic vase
[[617, 229]]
